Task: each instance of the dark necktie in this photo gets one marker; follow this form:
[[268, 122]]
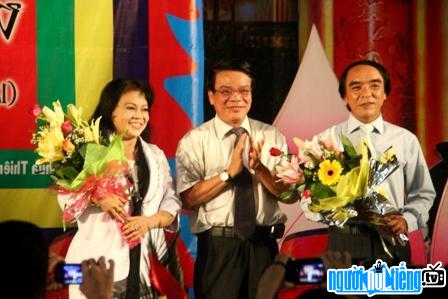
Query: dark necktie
[[244, 199]]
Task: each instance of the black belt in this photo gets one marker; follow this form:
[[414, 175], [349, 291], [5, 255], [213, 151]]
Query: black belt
[[261, 232]]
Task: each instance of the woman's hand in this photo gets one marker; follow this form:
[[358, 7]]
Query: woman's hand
[[114, 206], [138, 226]]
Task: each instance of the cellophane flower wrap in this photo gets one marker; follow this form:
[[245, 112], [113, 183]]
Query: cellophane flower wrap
[[83, 165], [337, 182]]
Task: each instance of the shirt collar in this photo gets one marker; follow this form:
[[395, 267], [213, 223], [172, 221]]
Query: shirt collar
[[354, 124], [222, 128]]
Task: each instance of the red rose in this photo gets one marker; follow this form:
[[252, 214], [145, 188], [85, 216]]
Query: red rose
[[275, 152], [306, 193], [66, 127]]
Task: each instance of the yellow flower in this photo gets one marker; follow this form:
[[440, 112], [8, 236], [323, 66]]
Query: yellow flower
[[329, 172], [95, 125], [54, 118], [92, 132], [49, 145], [381, 191], [75, 114], [387, 156]]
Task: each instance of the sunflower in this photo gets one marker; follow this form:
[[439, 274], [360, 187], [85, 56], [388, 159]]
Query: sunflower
[[329, 172]]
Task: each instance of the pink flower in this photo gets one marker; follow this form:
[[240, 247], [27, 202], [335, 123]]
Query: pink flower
[[36, 111], [290, 172], [66, 127], [328, 140], [275, 152], [307, 148]]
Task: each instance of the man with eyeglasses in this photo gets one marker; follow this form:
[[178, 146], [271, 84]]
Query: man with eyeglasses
[[225, 178], [364, 86]]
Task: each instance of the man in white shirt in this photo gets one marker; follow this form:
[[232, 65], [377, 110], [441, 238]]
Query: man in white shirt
[[211, 161], [364, 86]]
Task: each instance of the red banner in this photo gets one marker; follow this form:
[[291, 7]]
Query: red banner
[[17, 73]]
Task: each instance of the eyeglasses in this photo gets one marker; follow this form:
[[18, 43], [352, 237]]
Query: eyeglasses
[[228, 92]]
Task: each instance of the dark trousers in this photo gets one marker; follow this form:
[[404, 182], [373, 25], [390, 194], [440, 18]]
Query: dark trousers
[[364, 244], [228, 267]]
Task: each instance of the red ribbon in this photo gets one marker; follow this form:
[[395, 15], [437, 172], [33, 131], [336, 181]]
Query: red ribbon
[[114, 181]]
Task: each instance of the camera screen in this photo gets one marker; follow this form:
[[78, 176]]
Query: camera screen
[[72, 274], [303, 271]]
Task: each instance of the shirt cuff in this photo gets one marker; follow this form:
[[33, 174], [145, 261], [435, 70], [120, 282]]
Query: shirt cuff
[[411, 221]]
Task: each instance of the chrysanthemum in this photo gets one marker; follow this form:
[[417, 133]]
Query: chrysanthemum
[[329, 172]]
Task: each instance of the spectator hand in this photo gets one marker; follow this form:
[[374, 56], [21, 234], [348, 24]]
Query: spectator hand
[[98, 280], [53, 260], [273, 278], [335, 260]]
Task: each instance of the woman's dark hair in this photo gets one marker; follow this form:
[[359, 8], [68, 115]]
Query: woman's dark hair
[[383, 71], [229, 65], [109, 98]]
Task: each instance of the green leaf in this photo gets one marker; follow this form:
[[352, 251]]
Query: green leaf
[[82, 150], [301, 188], [69, 172], [308, 174], [314, 159], [349, 164], [95, 152], [319, 190], [286, 195], [348, 147]]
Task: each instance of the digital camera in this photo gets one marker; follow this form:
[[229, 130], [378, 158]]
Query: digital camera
[[305, 271], [68, 273]]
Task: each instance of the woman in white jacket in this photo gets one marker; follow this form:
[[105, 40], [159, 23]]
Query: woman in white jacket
[[124, 107]]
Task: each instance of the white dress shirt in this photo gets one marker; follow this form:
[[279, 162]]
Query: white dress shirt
[[409, 188], [205, 152]]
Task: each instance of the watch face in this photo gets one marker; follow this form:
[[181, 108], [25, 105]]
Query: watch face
[[224, 176]]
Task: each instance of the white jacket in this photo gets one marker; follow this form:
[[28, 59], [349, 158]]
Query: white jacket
[[98, 234]]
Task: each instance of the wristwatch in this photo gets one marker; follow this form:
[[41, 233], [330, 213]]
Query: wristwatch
[[224, 176]]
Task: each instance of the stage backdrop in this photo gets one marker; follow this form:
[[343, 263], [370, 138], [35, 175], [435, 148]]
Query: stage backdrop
[[68, 50]]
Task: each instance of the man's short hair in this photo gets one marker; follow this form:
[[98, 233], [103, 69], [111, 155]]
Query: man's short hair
[[238, 65], [381, 69]]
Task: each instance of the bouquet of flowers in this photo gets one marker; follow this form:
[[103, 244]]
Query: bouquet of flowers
[[83, 164], [337, 182]]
